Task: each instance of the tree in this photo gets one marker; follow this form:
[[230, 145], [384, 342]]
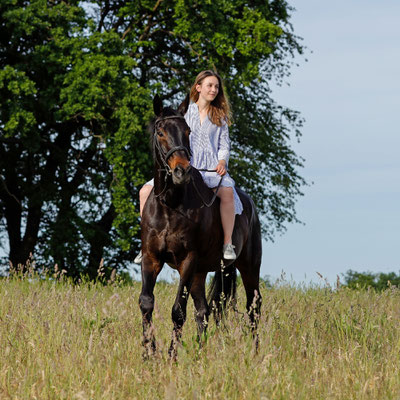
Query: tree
[[66, 93], [76, 84], [364, 280]]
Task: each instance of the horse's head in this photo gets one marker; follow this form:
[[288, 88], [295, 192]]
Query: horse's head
[[171, 142]]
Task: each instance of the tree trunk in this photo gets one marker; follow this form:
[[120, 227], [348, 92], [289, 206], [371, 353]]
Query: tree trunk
[[99, 240]]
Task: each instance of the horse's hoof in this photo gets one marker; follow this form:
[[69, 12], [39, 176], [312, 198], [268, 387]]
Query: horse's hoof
[[149, 349], [173, 354], [173, 350]]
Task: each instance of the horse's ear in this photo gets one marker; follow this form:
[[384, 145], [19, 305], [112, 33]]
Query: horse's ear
[[183, 107], [157, 105]]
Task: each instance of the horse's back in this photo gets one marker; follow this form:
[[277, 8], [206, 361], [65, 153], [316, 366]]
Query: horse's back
[[249, 209]]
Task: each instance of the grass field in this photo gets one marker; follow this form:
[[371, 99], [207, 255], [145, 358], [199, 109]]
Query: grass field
[[59, 341]]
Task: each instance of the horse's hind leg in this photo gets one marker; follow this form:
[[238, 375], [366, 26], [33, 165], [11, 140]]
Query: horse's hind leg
[[253, 304], [198, 292], [249, 268], [250, 278], [150, 270], [186, 272]]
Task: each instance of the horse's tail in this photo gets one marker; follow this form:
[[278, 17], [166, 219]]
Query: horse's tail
[[222, 292]]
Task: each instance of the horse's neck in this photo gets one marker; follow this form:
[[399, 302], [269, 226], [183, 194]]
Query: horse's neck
[[160, 177], [159, 180], [189, 196], [174, 196], [168, 193]]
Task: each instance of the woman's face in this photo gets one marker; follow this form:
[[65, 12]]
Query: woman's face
[[208, 89]]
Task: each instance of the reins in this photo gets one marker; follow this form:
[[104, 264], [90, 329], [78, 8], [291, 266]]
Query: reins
[[216, 190], [167, 168]]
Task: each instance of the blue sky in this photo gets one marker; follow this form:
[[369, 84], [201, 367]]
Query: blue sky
[[349, 94]]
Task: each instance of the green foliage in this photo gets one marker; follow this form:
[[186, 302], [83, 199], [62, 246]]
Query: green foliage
[[378, 281], [265, 282], [76, 83]]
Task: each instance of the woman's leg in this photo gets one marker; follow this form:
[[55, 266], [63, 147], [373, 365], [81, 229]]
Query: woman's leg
[[227, 209], [143, 195]]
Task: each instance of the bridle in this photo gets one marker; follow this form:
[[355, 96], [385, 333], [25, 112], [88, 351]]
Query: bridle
[[165, 156]]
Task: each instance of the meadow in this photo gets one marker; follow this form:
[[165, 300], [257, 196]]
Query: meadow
[[64, 341]]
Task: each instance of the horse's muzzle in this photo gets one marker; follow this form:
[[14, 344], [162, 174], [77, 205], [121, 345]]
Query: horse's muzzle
[[181, 175]]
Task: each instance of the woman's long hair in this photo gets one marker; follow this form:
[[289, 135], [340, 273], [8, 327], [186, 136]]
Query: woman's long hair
[[220, 109]]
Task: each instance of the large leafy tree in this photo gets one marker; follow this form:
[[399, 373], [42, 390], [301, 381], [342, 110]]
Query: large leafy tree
[[76, 84]]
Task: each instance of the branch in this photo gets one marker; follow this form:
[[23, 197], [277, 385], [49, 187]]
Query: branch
[[81, 168], [171, 33], [148, 25], [103, 15], [9, 193], [171, 67]]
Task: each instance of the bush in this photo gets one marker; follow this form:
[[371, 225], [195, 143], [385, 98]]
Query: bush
[[363, 280]]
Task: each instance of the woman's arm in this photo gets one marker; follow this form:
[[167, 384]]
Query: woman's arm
[[224, 144], [221, 167]]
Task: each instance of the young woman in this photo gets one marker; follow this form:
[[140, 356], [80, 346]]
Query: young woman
[[208, 117]]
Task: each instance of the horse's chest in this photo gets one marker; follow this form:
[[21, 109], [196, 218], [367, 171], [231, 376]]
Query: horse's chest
[[177, 240]]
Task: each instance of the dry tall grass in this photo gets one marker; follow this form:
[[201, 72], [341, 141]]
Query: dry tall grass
[[59, 341]]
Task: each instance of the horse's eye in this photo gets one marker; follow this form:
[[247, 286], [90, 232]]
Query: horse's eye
[[159, 133]]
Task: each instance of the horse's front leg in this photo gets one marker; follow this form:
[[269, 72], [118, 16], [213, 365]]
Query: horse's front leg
[[198, 292], [151, 267], [186, 271]]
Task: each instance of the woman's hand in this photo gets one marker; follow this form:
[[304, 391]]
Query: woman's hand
[[221, 167]]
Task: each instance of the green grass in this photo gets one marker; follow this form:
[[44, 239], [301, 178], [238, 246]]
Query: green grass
[[59, 341]]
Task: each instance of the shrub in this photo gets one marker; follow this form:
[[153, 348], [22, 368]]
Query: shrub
[[378, 281]]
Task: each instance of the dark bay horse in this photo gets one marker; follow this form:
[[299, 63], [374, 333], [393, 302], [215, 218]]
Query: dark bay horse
[[179, 230]]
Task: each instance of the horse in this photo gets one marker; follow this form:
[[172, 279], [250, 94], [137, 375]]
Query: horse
[[181, 226]]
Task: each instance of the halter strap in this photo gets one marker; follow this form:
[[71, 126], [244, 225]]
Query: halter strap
[[165, 156], [160, 119]]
